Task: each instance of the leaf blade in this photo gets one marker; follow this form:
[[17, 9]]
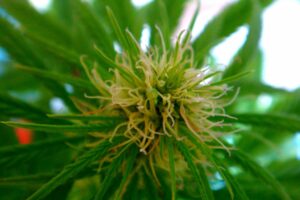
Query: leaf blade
[[61, 128], [199, 174], [72, 169], [248, 164]]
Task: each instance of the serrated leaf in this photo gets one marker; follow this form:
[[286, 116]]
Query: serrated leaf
[[131, 190], [26, 180], [250, 47], [17, 45], [167, 19], [63, 78], [37, 146], [222, 25], [198, 173], [172, 168], [111, 63], [151, 189], [25, 107], [110, 175], [117, 29], [257, 171], [43, 24], [12, 107], [128, 171], [63, 128], [125, 13], [66, 54], [89, 117], [278, 122], [257, 88], [235, 189], [93, 27], [73, 169], [229, 79]]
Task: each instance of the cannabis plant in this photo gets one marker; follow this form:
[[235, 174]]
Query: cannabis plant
[[161, 121]]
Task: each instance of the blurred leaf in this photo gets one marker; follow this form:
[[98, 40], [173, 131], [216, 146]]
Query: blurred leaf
[[230, 78], [14, 150], [125, 13], [250, 47], [88, 117], [92, 25], [57, 77], [26, 180], [68, 55], [17, 108], [198, 173], [17, 45], [61, 9], [257, 171], [73, 169], [251, 87], [110, 174], [167, 19], [127, 173], [25, 54], [172, 169], [63, 128], [224, 24], [278, 122], [41, 25], [234, 187]]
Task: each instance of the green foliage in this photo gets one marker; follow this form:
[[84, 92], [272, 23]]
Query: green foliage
[[86, 152]]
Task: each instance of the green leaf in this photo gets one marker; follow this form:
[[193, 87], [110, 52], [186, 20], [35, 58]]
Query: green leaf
[[257, 88], [125, 13], [235, 189], [14, 150], [257, 171], [166, 19], [269, 121], [132, 192], [229, 79], [63, 78], [250, 48], [43, 24], [61, 9], [62, 128], [67, 55], [222, 25], [93, 27], [17, 45], [111, 63], [111, 173], [24, 109], [172, 168], [198, 173], [89, 117], [12, 107], [117, 29], [26, 180], [151, 188], [73, 169], [128, 171]]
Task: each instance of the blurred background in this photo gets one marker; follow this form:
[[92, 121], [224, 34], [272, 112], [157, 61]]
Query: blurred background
[[280, 40]]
